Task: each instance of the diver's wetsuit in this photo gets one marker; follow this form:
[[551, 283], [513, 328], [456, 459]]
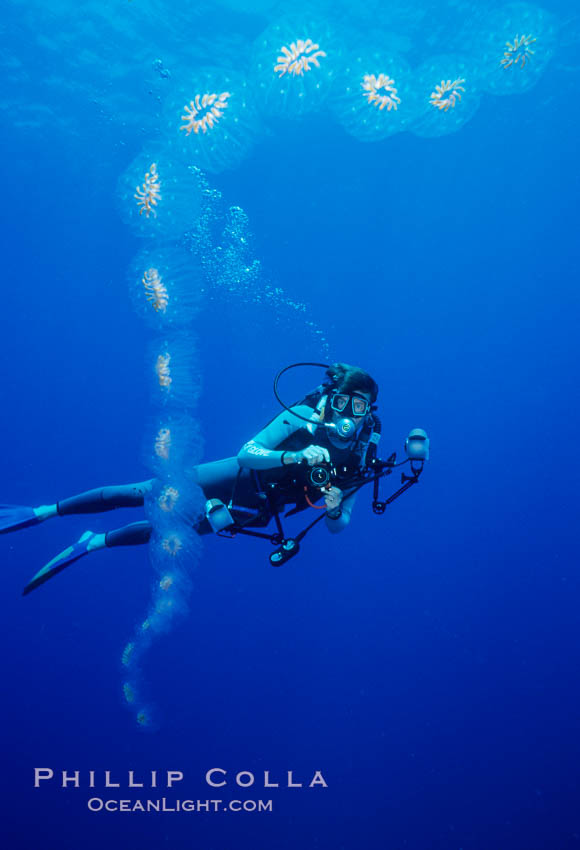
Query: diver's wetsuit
[[242, 481]]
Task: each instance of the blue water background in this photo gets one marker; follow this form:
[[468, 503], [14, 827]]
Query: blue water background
[[426, 661]]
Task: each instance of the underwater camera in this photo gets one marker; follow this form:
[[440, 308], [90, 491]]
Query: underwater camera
[[321, 475]]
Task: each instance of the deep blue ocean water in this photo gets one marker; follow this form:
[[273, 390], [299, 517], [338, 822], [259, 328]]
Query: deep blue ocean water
[[426, 662]]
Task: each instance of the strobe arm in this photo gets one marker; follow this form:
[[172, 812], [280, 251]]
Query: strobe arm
[[417, 450], [380, 506]]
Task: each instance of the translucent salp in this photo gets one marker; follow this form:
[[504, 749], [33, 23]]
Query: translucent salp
[[159, 196], [211, 120], [167, 284], [373, 96], [294, 63], [449, 95]]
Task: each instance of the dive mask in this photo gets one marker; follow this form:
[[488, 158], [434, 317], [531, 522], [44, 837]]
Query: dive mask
[[349, 405]]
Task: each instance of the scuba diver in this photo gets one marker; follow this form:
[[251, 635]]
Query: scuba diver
[[322, 449]]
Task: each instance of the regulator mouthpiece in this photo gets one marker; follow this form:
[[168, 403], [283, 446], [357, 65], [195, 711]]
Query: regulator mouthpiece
[[344, 429], [417, 445]]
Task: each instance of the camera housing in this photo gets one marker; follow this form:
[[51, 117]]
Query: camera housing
[[321, 475]]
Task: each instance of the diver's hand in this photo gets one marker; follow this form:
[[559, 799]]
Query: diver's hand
[[333, 497], [313, 455]]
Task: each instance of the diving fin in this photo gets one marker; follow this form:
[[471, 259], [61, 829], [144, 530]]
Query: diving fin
[[13, 517], [69, 556]]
